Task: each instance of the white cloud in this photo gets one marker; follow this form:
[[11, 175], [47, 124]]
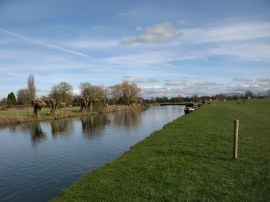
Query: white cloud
[[264, 80], [259, 85], [245, 40], [236, 39], [177, 59], [207, 88], [176, 88], [175, 83], [160, 33], [140, 59], [247, 51], [237, 31], [154, 91], [139, 80], [242, 80], [76, 91]]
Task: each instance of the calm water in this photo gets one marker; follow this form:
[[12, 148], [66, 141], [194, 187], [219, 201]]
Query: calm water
[[37, 160]]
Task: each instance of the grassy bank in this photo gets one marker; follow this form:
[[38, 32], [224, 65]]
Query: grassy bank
[[190, 159], [15, 116]]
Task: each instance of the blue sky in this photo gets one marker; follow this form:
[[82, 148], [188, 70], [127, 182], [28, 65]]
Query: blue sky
[[169, 47]]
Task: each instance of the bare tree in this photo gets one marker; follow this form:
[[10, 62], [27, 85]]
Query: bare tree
[[125, 93], [96, 92], [31, 87], [62, 92], [116, 92], [134, 92], [23, 97]]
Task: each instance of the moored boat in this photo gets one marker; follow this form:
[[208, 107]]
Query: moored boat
[[190, 107]]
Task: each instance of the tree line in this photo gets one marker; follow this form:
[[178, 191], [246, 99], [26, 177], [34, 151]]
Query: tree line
[[123, 93], [203, 99]]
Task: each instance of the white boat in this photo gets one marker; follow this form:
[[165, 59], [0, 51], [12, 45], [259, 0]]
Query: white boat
[[190, 107]]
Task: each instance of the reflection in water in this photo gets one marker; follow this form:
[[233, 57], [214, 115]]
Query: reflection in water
[[127, 118], [60, 127], [91, 125], [37, 134], [95, 124]]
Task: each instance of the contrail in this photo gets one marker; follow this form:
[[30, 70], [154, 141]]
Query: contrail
[[43, 43]]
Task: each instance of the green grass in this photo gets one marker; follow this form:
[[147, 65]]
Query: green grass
[[190, 159]]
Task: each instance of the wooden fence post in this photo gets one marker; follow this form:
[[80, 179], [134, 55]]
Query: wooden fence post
[[235, 146]]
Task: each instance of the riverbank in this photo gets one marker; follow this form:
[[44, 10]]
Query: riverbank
[[190, 159], [16, 116]]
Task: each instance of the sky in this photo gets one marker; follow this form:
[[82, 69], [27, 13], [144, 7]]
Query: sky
[[167, 47]]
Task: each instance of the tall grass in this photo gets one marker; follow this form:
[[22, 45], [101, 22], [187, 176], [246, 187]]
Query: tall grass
[[14, 116], [190, 159]]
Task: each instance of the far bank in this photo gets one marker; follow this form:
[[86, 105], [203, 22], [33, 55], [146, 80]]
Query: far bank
[[22, 115]]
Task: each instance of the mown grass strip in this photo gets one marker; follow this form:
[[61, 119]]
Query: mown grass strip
[[190, 159]]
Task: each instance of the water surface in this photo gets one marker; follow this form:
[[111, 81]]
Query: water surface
[[37, 160]]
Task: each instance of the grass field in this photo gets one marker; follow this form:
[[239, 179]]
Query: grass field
[[190, 159]]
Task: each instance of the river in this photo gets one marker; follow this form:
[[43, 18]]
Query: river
[[39, 159]]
